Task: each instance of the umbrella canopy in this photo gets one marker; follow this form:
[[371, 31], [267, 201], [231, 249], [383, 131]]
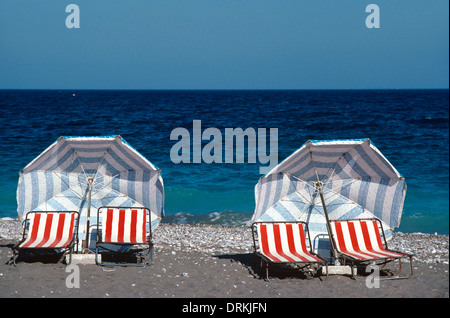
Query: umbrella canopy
[[338, 179], [84, 173]]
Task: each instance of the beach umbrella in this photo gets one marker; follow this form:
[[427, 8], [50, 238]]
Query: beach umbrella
[[329, 180], [84, 173]]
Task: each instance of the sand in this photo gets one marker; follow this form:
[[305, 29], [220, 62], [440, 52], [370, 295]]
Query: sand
[[193, 262]]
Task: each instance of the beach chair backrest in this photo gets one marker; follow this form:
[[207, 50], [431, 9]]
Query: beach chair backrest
[[359, 238], [124, 225], [284, 242], [49, 229]]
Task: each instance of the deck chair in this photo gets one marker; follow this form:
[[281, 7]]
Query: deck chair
[[49, 230], [360, 242], [283, 243], [120, 231]]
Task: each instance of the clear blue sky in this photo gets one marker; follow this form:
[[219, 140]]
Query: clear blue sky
[[224, 44]]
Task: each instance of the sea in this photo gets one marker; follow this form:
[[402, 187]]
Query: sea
[[410, 127]]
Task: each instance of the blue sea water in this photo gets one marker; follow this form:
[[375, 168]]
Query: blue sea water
[[410, 127]]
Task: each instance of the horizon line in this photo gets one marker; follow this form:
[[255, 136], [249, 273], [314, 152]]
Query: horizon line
[[216, 89]]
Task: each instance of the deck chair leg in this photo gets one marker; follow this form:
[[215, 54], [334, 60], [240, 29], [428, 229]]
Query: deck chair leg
[[70, 256], [13, 259], [399, 266], [400, 269], [411, 266], [62, 257], [96, 255], [149, 254], [260, 265], [353, 267]]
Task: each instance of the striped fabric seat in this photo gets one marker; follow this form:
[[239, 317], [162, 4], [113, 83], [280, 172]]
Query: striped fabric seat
[[124, 225], [284, 242], [361, 240], [49, 230]]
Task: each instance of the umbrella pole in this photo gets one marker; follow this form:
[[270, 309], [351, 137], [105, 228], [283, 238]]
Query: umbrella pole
[[318, 186], [90, 181]]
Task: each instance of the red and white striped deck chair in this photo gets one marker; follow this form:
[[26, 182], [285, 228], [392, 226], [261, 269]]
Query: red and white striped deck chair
[[360, 242], [126, 226], [285, 243], [49, 230]]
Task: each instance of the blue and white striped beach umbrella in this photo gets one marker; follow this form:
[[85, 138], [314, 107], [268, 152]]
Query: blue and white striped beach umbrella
[[59, 178], [356, 180]]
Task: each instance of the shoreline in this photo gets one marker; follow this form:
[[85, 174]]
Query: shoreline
[[214, 261], [206, 238]]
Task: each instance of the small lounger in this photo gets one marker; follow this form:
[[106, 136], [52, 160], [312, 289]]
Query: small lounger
[[123, 226], [360, 242], [284, 243], [49, 230]]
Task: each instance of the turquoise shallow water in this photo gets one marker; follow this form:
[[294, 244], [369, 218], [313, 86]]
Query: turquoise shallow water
[[410, 127]]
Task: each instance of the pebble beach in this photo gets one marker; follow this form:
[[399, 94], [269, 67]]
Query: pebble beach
[[212, 261]]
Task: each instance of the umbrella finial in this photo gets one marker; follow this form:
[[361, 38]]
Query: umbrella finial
[[318, 185]]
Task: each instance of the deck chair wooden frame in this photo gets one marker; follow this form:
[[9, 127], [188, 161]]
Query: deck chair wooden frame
[[49, 230], [362, 242], [283, 243], [124, 226]]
